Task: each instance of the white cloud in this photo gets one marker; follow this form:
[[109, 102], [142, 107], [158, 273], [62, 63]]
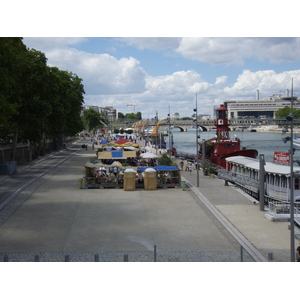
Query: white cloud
[[42, 44], [233, 51], [101, 73], [118, 82], [177, 83], [267, 82]]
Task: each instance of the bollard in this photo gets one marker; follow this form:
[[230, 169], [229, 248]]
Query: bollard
[[5, 259], [97, 258], [126, 257], [67, 258], [270, 256], [183, 185], [36, 258], [242, 254], [155, 253]]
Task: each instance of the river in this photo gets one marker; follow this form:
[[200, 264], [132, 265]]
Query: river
[[265, 143]]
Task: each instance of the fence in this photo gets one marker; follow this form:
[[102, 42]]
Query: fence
[[131, 256]]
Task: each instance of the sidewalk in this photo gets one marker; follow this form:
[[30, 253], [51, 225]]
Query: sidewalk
[[60, 218], [244, 213]]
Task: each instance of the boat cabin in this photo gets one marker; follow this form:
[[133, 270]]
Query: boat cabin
[[277, 177]]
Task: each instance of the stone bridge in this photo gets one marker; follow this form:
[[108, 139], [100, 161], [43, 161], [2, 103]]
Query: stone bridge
[[205, 125]]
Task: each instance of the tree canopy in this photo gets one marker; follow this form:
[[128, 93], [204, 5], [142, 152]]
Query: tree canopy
[[93, 119], [285, 111], [37, 101]]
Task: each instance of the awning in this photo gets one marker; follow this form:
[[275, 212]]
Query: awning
[[160, 168], [115, 154]]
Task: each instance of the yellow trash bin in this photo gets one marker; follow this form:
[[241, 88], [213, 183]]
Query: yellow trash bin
[[129, 180], [150, 181]]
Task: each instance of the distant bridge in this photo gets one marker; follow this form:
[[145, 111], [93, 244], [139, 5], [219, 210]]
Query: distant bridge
[[207, 125]]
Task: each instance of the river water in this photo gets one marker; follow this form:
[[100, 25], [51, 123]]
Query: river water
[[265, 143]]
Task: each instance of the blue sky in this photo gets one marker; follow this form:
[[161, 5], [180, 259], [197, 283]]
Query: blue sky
[[127, 57]]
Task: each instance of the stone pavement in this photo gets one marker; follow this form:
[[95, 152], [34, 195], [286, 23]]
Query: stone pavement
[[58, 218], [244, 213]]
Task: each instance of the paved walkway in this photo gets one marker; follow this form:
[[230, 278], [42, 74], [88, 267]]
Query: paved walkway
[[59, 218], [242, 211]]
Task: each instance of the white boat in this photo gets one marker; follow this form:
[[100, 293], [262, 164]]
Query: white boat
[[245, 172]]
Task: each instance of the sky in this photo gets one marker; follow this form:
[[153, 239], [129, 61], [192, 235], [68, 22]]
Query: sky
[[164, 67]]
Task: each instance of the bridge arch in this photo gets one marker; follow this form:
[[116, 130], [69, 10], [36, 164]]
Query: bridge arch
[[181, 129], [202, 127]]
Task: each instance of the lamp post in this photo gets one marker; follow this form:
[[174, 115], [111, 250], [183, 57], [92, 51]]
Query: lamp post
[[197, 144], [170, 146], [292, 227]]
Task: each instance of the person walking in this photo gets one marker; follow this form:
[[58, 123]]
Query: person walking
[[181, 165], [187, 165], [190, 168]]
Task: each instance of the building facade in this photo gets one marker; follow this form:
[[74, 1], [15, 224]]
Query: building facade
[[108, 111], [264, 108]]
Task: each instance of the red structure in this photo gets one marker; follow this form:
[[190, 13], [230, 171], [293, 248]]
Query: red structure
[[221, 146]]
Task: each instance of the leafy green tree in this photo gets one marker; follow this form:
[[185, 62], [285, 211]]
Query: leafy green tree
[[165, 160], [65, 95], [36, 100], [92, 118], [134, 116], [12, 63], [120, 115], [285, 111]]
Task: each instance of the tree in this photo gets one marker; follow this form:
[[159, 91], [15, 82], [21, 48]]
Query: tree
[[285, 111], [120, 115], [134, 116], [36, 100], [165, 160], [12, 62], [92, 118]]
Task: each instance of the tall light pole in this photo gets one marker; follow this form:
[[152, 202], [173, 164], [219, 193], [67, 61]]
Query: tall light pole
[[292, 183], [197, 145], [170, 146]]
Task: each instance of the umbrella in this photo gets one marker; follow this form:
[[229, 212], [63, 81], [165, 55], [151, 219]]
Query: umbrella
[[148, 155], [131, 148]]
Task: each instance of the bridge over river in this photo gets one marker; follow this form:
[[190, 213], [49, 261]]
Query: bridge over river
[[206, 125]]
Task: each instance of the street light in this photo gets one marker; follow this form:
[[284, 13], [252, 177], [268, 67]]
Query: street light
[[290, 138], [197, 144], [292, 227]]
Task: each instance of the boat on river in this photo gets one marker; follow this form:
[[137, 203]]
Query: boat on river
[[222, 145]]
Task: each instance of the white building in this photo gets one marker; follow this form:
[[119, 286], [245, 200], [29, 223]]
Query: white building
[[264, 108]]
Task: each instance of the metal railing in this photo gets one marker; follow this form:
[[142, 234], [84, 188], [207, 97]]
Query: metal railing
[[240, 179]]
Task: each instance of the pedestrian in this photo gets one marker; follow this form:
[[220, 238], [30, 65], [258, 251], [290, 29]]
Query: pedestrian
[[181, 166], [190, 168], [298, 253], [196, 164], [186, 166]]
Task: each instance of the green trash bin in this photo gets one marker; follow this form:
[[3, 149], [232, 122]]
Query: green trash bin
[[183, 185]]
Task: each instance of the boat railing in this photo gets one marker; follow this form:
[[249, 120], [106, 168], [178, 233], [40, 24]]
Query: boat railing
[[237, 178]]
